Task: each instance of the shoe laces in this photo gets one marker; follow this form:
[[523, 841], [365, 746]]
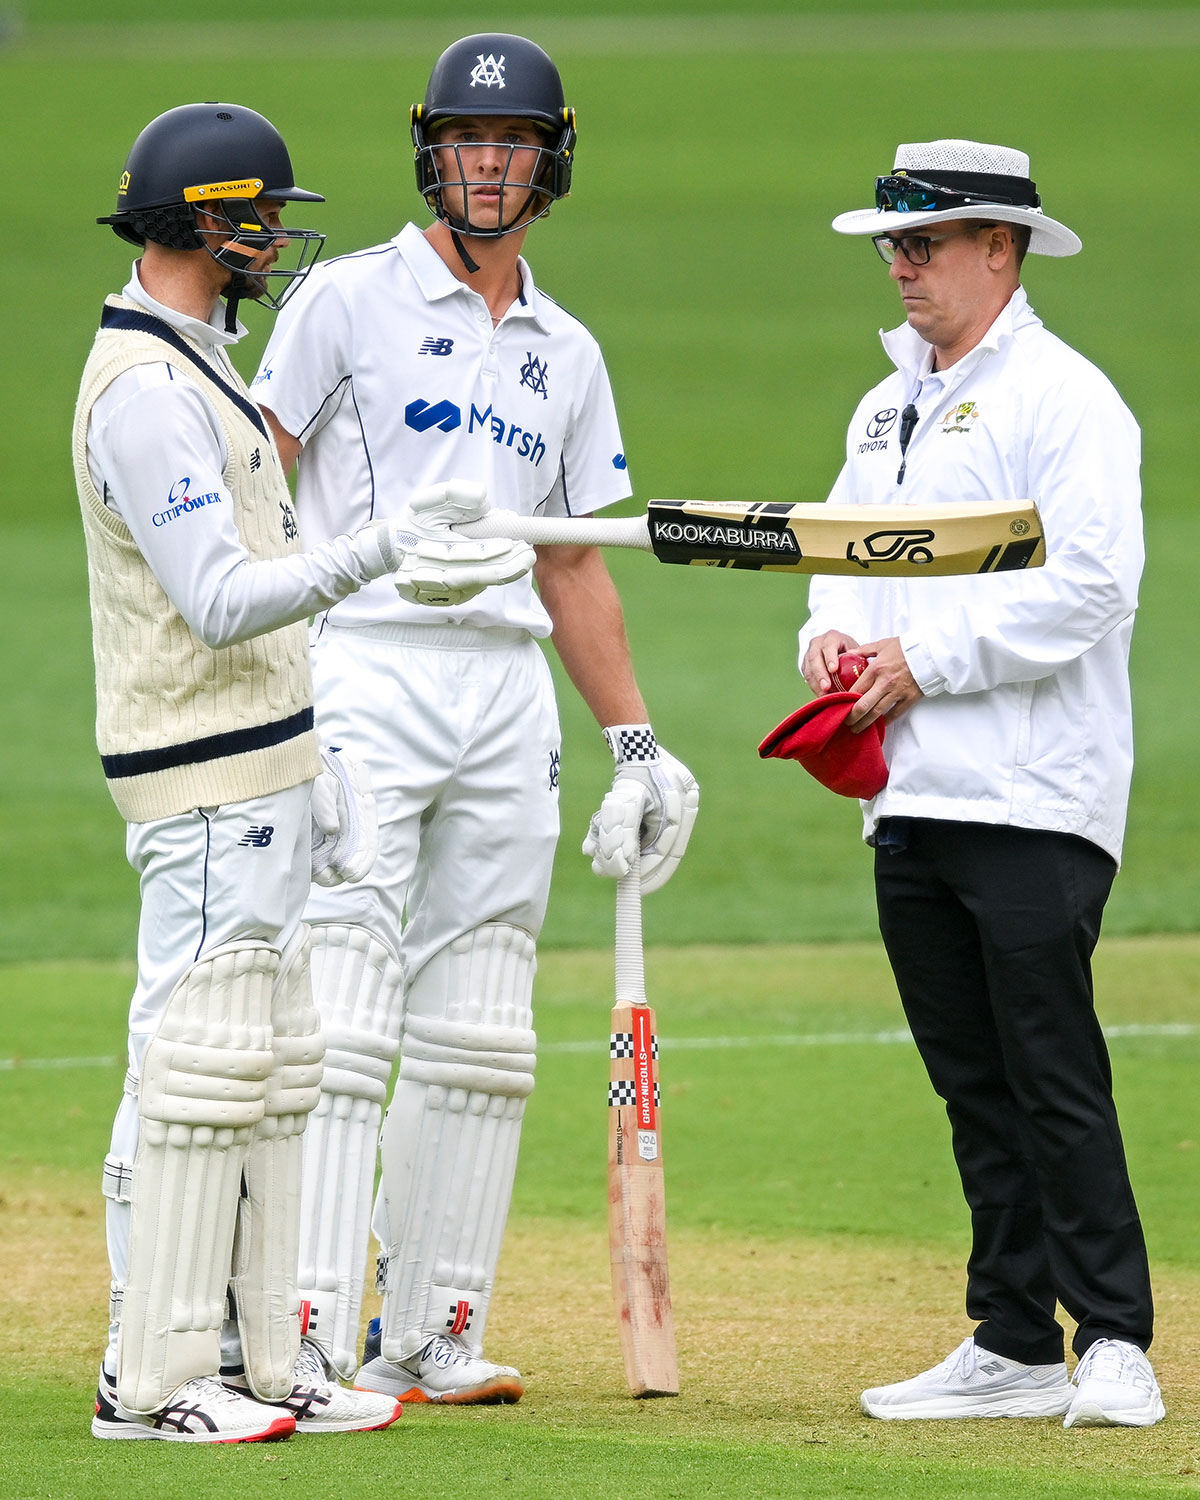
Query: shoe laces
[[444, 1350], [961, 1364], [310, 1367], [207, 1391], [1116, 1361]]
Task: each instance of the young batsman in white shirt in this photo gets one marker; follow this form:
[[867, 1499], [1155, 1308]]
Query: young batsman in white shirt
[[437, 349]]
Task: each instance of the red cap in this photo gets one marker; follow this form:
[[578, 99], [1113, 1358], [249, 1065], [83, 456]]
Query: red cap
[[816, 736]]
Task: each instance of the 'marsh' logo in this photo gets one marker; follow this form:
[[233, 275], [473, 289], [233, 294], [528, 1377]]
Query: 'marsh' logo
[[422, 416]]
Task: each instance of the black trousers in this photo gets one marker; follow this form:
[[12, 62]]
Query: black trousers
[[990, 932]]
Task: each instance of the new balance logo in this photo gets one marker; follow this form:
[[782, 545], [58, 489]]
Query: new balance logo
[[255, 461], [436, 346], [421, 416], [257, 837]]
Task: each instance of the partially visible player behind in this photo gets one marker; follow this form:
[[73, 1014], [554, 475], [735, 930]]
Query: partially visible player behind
[[437, 349], [205, 729]]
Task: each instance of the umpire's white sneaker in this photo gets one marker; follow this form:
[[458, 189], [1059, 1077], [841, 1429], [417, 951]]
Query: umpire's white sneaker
[[318, 1403], [1115, 1387], [200, 1411], [442, 1370], [973, 1382]]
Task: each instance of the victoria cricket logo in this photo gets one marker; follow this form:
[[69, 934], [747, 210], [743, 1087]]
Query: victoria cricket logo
[[555, 766], [488, 71], [533, 374]]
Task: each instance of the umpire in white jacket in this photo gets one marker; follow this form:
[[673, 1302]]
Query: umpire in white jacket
[[1009, 749]]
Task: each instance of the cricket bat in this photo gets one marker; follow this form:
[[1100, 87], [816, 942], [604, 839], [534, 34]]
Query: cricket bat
[[637, 1212], [888, 541]]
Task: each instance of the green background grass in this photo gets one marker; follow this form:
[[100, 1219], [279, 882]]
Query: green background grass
[[739, 332]]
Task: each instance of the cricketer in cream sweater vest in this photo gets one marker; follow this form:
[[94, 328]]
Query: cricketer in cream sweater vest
[[180, 725]]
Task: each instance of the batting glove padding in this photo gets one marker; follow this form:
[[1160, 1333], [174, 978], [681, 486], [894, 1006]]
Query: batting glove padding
[[451, 503], [432, 565], [448, 573], [345, 830], [652, 804]]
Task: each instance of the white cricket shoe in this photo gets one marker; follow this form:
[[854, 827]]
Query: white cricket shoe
[[973, 1382], [319, 1403], [442, 1370], [1115, 1388], [200, 1411]]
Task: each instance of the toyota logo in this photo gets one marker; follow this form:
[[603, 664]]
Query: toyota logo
[[881, 422]]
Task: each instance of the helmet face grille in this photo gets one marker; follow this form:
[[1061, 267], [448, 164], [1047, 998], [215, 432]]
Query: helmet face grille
[[521, 200]]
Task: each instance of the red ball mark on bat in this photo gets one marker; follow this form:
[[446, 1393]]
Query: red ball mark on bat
[[851, 665]]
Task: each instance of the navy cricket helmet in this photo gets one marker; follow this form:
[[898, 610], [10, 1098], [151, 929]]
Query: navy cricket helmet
[[218, 159], [500, 75]]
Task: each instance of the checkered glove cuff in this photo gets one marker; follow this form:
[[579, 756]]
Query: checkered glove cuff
[[632, 744]]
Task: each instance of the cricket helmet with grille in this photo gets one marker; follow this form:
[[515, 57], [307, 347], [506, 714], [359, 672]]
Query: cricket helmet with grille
[[222, 160], [496, 75]]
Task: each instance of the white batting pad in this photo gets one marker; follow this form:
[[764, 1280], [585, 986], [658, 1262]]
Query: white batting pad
[[266, 1244], [451, 1136], [358, 990], [202, 1092]]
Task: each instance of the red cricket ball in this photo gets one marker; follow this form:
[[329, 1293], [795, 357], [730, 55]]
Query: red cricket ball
[[851, 665]]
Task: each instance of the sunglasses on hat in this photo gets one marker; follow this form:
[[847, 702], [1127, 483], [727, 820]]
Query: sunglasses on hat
[[901, 194]]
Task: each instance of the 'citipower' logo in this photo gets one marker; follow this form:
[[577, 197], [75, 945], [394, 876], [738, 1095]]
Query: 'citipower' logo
[[180, 503]]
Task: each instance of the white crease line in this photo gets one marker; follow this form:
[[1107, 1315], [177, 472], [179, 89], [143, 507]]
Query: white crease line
[[685, 1043], [848, 1038]]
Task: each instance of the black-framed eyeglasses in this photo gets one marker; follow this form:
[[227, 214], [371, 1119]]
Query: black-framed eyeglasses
[[901, 194], [915, 247]]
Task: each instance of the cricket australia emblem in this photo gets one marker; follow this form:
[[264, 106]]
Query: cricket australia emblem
[[488, 71], [534, 373], [960, 418]]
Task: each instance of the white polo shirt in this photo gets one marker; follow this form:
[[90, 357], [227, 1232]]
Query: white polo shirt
[[388, 370]]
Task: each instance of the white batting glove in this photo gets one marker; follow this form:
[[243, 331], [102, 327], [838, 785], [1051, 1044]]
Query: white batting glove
[[452, 503], [652, 805], [345, 830], [434, 566], [450, 573]]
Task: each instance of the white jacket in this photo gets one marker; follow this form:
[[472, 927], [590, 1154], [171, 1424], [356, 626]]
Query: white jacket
[[1026, 716]]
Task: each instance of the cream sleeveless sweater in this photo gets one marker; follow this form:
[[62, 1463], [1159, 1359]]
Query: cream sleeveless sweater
[[180, 725]]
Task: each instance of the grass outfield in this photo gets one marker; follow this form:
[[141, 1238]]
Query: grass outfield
[[817, 1238], [739, 332], [818, 1232]]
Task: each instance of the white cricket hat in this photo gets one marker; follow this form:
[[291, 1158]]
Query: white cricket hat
[[960, 180]]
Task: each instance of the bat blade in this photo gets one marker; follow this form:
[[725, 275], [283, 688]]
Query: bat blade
[[637, 1210], [637, 1216], [884, 541]]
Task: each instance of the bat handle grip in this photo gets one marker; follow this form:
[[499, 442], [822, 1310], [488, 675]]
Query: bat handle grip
[[631, 968]]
